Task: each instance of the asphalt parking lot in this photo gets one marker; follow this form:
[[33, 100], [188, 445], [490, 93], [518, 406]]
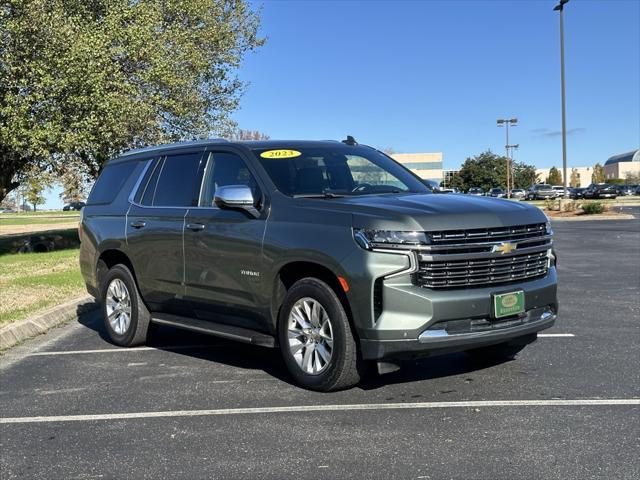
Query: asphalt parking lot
[[76, 407]]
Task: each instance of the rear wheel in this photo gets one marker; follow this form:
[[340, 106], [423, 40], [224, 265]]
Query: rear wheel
[[316, 340], [126, 318]]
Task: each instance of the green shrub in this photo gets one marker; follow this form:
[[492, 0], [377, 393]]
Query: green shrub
[[593, 207]]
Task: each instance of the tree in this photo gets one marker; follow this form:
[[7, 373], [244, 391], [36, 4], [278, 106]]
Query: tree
[[555, 177], [73, 179], [574, 180], [524, 175], [240, 134], [488, 170], [598, 174], [105, 76], [34, 185]]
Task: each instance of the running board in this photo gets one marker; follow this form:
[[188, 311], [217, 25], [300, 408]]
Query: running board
[[218, 329]]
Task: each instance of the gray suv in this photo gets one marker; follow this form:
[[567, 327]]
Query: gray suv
[[330, 251]]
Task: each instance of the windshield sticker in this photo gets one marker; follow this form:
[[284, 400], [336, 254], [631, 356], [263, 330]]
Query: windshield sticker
[[280, 154]]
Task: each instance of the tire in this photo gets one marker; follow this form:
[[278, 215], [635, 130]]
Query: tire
[[118, 284], [305, 354], [501, 351]]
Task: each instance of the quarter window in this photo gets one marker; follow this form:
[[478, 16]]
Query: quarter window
[[110, 182]]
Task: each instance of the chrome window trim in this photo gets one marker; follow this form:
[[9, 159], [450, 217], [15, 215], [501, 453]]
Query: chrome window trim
[[136, 187]]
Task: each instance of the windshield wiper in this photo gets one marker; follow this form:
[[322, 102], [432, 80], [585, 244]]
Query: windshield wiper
[[318, 195]]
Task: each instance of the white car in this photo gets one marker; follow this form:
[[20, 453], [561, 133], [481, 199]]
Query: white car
[[518, 193]]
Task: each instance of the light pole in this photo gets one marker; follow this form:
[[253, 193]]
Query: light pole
[[506, 122], [511, 160], [560, 8]]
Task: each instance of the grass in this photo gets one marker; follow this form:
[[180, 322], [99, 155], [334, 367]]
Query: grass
[[38, 220], [32, 282], [40, 213]]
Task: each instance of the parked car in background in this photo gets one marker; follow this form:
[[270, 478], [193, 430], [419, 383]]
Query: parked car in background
[[541, 191], [518, 193], [7, 210], [576, 193], [625, 190], [432, 185], [497, 193], [73, 206], [449, 190], [559, 189], [600, 190], [638, 190], [476, 191]]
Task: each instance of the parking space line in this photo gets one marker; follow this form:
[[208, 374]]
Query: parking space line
[[193, 347], [328, 408], [120, 350]]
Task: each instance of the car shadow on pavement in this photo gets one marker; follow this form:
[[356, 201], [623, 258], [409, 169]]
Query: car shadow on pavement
[[201, 346], [268, 360], [428, 368]]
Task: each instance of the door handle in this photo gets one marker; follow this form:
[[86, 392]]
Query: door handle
[[196, 227], [138, 224]]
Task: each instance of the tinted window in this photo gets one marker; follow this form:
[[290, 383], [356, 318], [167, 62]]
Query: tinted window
[[149, 188], [145, 180], [224, 169], [110, 182], [179, 182]]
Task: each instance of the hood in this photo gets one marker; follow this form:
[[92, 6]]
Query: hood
[[431, 212]]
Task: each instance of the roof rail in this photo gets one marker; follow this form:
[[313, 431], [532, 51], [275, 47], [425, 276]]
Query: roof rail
[[166, 146]]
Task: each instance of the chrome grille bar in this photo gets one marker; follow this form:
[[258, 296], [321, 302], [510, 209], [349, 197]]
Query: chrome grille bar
[[465, 258]]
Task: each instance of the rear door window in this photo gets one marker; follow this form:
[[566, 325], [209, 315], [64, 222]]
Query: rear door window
[[179, 181]]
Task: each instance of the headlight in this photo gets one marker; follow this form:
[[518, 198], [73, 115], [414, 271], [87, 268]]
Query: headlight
[[369, 238], [548, 228]]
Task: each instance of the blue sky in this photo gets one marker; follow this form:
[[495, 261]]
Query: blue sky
[[423, 76]]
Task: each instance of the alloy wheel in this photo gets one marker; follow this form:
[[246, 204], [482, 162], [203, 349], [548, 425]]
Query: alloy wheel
[[310, 336], [118, 303]]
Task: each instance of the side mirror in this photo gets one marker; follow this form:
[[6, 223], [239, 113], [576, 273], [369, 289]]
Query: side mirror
[[236, 197]]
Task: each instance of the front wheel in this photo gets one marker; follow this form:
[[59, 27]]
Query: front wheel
[[316, 341]]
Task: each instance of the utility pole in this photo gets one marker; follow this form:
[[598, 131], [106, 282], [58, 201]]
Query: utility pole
[[513, 148], [514, 123], [560, 8]]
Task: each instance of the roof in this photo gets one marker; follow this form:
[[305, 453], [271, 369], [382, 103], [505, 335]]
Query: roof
[[632, 156], [253, 144]]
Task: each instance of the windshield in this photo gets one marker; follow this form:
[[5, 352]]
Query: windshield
[[544, 187], [336, 171]]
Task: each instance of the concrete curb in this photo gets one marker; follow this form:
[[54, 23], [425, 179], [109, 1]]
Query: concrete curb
[[583, 218], [21, 330]]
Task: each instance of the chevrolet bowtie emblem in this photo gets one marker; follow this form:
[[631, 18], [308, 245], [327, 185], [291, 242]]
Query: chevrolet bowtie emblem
[[505, 247]]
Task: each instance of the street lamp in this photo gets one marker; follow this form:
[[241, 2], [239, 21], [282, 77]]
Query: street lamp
[[560, 8], [506, 122]]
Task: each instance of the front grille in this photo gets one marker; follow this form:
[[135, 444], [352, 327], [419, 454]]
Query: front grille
[[482, 272], [468, 258], [503, 234]]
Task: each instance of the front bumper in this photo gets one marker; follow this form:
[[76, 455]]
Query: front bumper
[[417, 321], [439, 341]]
